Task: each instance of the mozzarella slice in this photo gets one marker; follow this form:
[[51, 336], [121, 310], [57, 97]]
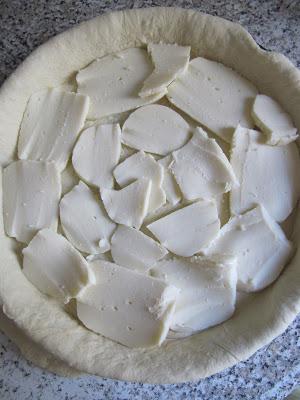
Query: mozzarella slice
[[201, 169], [169, 184], [186, 231], [54, 267], [207, 291], [113, 82], [214, 95], [170, 61], [135, 250], [142, 165], [96, 154], [84, 220], [128, 307], [51, 123], [128, 206], [267, 175], [269, 116], [157, 129], [31, 193], [259, 245]]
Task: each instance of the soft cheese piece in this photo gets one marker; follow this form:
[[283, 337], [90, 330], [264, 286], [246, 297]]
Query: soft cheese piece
[[201, 169], [267, 174], [207, 290], [51, 123], [84, 220], [187, 230], [259, 245], [269, 116], [55, 267], [170, 61], [169, 184], [31, 193], [114, 81], [214, 95], [128, 206], [128, 307], [142, 165], [155, 128], [96, 154], [135, 250]]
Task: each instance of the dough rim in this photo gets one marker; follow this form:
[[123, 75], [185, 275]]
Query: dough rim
[[205, 353]]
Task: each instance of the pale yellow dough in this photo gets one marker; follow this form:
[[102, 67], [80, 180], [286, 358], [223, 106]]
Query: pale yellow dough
[[44, 321]]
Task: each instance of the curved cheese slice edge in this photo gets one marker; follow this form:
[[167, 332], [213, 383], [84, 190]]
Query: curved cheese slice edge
[[135, 250], [113, 82], [96, 154], [51, 124], [55, 267], [156, 129], [85, 221], [128, 206], [259, 245], [31, 193], [128, 307], [269, 116], [187, 230], [207, 291], [169, 185]]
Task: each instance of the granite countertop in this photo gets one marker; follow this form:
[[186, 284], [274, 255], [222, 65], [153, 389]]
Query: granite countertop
[[274, 370]]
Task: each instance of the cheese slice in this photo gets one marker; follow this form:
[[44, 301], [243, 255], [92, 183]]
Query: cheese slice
[[128, 307], [185, 231], [135, 250], [207, 290], [155, 128], [54, 267], [170, 61], [259, 245], [84, 220], [96, 154], [169, 184], [31, 193], [267, 175], [114, 81], [214, 95], [142, 165], [201, 169], [269, 116], [51, 123], [128, 206]]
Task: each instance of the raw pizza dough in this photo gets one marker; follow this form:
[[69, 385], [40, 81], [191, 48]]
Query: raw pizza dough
[[53, 64]]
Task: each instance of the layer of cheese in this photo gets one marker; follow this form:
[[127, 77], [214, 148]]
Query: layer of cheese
[[169, 185], [31, 193]]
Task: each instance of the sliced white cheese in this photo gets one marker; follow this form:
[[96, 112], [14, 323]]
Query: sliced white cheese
[[214, 95], [259, 245], [269, 116], [169, 184], [128, 206], [55, 267], [51, 123], [114, 81], [157, 129], [128, 307], [170, 61], [31, 193], [135, 250], [201, 169], [187, 230], [142, 165], [96, 154], [267, 174], [207, 290], [84, 220]]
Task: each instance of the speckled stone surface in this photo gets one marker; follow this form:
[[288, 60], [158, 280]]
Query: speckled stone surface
[[274, 370]]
